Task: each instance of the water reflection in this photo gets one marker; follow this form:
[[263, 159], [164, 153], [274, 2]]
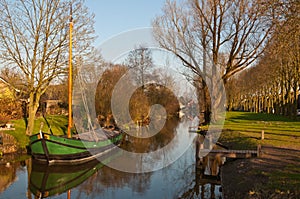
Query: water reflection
[[145, 145], [11, 167], [185, 178], [49, 180], [7, 174], [142, 155], [110, 181], [211, 163]]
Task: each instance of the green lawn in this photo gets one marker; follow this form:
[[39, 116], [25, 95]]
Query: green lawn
[[242, 130], [58, 125]]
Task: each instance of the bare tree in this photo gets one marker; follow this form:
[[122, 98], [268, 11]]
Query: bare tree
[[232, 32], [140, 61], [34, 41], [273, 84]]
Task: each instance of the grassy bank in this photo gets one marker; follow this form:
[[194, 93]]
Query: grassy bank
[[274, 175], [242, 130], [58, 125]]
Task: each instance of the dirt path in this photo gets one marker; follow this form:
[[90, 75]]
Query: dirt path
[[274, 175]]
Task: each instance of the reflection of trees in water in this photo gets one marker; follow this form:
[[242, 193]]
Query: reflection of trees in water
[[210, 165], [185, 179], [8, 174], [202, 185], [161, 139], [201, 179], [108, 179]]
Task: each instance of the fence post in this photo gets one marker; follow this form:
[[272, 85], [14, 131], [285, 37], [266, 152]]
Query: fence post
[[262, 135]]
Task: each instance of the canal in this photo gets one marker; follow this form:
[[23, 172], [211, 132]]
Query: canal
[[182, 178]]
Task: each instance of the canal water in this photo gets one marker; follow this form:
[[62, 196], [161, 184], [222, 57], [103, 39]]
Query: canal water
[[183, 178]]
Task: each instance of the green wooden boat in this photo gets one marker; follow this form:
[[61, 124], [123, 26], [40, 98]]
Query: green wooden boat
[[50, 180], [52, 149]]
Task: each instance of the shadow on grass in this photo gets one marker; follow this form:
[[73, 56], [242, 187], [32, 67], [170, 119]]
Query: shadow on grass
[[295, 134], [274, 175], [233, 116], [282, 166], [280, 140], [236, 140], [280, 134], [60, 123]]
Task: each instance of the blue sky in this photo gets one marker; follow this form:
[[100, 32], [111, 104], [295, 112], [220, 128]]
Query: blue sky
[[116, 16], [121, 25]]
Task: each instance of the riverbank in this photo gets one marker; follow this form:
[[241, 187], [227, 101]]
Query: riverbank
[[276, 174], [58, 125]]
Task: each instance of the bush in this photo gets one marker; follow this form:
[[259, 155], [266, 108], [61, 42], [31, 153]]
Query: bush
[[10, 109]]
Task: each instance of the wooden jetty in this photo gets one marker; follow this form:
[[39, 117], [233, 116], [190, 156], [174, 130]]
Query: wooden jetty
[[205, 146], [230, 153]]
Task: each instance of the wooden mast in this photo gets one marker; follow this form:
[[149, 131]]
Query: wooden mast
[[70, 87]]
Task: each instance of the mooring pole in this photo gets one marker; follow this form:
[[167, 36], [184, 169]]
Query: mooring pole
[[70, 75]]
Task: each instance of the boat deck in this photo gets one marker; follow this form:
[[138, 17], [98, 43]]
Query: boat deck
[[97, 135]]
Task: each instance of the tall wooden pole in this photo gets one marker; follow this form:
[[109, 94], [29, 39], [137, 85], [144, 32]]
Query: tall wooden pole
[[70, 76]]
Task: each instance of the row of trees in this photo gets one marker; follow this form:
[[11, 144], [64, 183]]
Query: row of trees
[[215, 39], [273, 84]]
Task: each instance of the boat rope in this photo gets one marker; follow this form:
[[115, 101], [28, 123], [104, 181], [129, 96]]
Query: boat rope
[[49, 126], [85, 104]]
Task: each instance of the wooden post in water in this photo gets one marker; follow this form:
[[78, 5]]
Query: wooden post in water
[[258, 150]]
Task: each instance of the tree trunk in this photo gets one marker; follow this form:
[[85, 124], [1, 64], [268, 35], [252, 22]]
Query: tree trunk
[[255, 104], [204, 101], [218, 100], [33, 107]]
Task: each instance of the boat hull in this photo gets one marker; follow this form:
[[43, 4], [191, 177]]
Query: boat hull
[[53, 149], [50, 180]]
